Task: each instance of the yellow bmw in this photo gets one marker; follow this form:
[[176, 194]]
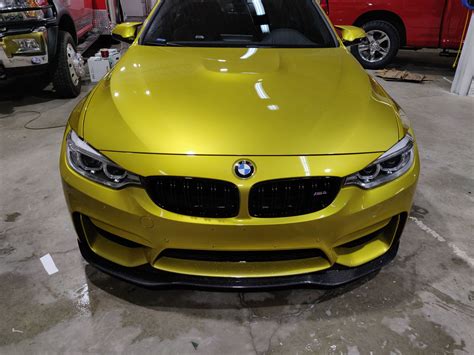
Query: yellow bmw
[[238, 144]]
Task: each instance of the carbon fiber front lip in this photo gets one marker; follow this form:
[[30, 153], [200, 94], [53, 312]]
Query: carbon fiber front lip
[[147, 276]]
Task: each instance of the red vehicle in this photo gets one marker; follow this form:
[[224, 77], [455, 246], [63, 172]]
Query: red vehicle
[[394, 24], [39, 39]]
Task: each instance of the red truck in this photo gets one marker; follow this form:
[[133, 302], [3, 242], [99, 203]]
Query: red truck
[[395, 24], [39, 39]]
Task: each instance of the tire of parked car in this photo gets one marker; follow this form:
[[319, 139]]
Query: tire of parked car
[[380, 46], [65, 79]]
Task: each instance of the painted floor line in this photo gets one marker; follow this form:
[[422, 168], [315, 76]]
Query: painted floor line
[[456, 250], [449, 81]]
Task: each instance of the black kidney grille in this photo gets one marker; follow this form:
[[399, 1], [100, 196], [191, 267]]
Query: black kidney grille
[[292, 197], [194, 196]]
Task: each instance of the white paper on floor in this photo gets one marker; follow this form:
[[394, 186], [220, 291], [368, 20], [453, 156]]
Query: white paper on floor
[[48, 264]]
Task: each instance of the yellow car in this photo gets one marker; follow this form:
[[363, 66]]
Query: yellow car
[[238, 143]]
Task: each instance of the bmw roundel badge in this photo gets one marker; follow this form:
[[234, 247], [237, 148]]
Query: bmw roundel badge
[[244, 169]]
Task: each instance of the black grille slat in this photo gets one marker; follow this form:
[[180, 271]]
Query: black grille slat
[[242, 256], [292, 197], [194, 196], [220, 199]]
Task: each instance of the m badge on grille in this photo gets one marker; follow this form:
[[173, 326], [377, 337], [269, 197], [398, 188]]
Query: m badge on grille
[[244, 169]]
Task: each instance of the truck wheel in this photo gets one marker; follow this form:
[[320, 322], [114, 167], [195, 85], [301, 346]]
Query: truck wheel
[[66, 81], [380, 46]]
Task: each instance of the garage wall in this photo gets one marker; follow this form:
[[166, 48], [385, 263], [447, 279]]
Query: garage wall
[[134, 8]]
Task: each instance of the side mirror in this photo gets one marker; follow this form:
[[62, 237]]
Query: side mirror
[[351, 35], [126, 32]]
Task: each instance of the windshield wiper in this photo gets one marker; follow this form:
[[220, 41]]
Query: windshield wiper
[[163, 42], [227, 44]]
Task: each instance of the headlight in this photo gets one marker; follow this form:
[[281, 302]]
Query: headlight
[[27, 45], [392, 164], [22, 4], [88, 162], [19, 10]]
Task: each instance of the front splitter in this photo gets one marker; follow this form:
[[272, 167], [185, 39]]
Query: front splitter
[[149, 277]]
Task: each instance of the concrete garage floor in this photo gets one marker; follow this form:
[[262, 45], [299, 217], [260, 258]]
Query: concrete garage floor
[[421, 303]]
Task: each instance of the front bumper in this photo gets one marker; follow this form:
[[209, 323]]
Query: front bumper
[[123, 233], [150, 277]]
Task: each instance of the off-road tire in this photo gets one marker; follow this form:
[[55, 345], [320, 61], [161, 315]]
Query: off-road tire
[[61, 77]]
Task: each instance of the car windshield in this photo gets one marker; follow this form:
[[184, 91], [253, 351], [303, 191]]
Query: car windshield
[[239, 23]]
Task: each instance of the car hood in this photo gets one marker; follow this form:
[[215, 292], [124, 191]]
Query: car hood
[[232, 101]]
